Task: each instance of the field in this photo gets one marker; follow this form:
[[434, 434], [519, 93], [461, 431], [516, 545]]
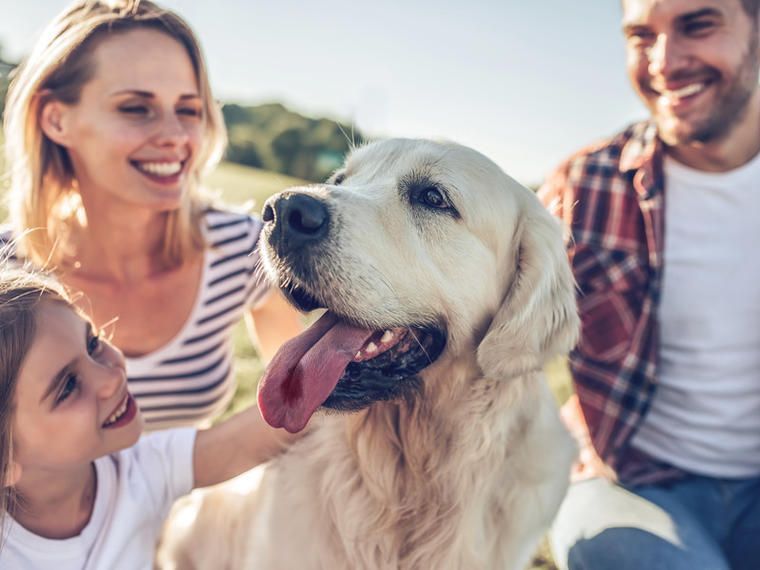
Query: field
[[242, 185]]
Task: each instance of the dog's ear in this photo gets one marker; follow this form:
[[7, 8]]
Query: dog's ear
[[538, 317]]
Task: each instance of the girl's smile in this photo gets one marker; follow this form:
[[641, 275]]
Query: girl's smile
[[124, 414]]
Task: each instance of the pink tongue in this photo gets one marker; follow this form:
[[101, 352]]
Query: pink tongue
[[306, 369]]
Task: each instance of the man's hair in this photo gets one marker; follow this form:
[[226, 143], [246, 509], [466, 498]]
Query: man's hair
[[750, 7]]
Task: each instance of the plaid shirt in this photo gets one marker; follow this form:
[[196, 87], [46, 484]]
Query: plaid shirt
[[610, 196]]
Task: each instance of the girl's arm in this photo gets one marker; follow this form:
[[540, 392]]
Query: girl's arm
[[235, 446]]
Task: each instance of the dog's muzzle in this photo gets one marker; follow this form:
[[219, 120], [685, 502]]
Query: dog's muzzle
[[294, 221]]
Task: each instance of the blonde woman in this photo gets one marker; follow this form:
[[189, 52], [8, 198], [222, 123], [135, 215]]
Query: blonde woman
[[109, 126]]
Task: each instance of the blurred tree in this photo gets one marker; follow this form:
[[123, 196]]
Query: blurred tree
[[272, 137], [5, 68]]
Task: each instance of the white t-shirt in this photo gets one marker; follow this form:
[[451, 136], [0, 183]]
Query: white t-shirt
[[705, 416], [135, 490]]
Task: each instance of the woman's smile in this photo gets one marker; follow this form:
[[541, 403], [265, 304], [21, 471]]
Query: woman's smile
[[166, 173]]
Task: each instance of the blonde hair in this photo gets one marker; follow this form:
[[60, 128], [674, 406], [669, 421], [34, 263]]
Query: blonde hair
[[43, 192], [21, 291]]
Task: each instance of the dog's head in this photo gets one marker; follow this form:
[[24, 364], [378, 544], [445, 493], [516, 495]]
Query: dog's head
[[415, 248]]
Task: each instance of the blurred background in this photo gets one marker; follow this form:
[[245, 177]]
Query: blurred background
[[525, 83]]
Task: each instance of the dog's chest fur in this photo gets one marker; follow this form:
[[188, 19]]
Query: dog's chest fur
[[411, 485]]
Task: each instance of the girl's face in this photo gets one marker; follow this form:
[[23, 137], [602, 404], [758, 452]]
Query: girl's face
[[72, 403], [138, 125]]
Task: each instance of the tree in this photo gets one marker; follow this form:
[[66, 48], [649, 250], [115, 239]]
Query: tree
[[5, 69], [274, 138]]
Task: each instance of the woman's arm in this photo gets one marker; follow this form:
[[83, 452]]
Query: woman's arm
[[272, 323]]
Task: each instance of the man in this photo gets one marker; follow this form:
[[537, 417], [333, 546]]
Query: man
[[665, 220]]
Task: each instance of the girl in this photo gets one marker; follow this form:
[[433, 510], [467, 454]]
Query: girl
[[109, 126], [81, 488]]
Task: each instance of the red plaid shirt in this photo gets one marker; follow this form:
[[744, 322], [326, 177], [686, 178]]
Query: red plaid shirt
[[610, 196]]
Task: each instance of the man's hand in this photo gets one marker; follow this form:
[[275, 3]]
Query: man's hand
[[589, 464]]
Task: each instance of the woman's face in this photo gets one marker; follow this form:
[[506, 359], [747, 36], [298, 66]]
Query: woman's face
[[134, 134]]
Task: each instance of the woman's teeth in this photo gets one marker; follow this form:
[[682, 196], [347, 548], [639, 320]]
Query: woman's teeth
[[160, 168], [118, 413]]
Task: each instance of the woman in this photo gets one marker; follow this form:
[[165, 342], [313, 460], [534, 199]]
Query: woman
[[109, 126]]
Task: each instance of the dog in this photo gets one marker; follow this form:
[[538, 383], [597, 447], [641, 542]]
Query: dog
[[447, 288]]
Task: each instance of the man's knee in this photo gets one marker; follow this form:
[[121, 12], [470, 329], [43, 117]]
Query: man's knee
[[633, 549], [603, 525]]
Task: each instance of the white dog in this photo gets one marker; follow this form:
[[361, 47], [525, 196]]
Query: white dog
[[447, 288]]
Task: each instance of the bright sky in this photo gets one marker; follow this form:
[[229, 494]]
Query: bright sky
[[525, 82]]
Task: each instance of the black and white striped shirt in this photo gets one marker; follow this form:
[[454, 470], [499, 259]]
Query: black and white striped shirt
[[189, 380]]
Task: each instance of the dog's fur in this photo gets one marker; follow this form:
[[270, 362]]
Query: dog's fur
[[467, 471]]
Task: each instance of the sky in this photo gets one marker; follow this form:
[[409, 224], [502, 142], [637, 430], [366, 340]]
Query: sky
[[526, 82]]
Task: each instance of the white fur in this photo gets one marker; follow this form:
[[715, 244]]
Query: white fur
[[468, 474]]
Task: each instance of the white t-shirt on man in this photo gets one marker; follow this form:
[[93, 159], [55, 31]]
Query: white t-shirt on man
[[135, 490], [705, 415]]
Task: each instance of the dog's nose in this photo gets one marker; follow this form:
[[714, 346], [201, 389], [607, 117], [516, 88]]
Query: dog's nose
[[295, 220]]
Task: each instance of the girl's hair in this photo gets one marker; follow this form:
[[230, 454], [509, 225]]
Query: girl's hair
[[43, 192], [21, 292]]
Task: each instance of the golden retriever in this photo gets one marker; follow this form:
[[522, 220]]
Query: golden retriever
[[447, 288]]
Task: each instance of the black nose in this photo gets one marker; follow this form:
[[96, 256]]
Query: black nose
[[295, 220]]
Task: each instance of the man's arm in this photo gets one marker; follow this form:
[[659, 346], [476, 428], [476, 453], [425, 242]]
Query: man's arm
[[589, 464], [559, 198]]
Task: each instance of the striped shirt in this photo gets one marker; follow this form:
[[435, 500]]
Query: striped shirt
[[611, 197], [189, 380]]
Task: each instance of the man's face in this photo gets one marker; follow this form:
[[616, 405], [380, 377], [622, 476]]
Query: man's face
[[694, 63]]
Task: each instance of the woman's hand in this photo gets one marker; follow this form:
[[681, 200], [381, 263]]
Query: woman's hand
[[588, 464]]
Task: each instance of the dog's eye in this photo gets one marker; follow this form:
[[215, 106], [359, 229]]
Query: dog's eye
[[427, 194], [337, 178], [433, 198]]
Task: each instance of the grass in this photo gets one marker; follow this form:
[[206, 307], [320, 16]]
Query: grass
[[239, 185]]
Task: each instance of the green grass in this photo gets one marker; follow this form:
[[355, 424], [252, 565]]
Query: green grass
[[238, 184]]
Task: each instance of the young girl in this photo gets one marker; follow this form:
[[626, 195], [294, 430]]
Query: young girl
[[81, 489]]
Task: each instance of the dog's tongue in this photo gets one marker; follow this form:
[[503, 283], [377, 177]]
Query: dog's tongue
[[306, 369]]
